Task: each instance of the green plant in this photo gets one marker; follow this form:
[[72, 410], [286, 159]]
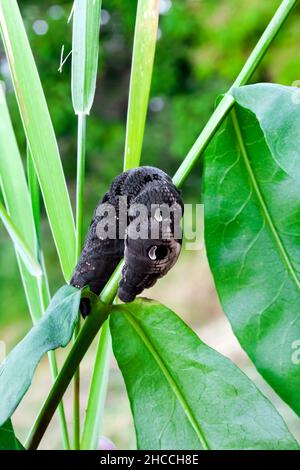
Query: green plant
[[187, 388]]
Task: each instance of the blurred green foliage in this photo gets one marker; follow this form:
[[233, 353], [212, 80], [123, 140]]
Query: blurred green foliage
[[202, 45]]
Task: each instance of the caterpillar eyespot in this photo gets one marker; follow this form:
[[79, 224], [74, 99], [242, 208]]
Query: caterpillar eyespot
[[124, 224], [157, 252], [151, 252]]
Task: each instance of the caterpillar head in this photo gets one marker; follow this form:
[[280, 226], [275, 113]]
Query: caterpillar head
[[152, 245], [145, 262]]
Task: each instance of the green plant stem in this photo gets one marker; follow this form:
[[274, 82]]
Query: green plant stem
[[92, 326], [93, 323], [76, 400], [227, 102], [44, 291], [97, 392], [61, 408], [81, 139]]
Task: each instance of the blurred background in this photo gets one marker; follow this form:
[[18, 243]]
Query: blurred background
[[201, 47]]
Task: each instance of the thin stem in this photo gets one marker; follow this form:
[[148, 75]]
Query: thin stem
[[76, 400], [61, 408], [81, 139], [203, 140], [93, 323], [97, 317], [264, 42], [227, 102], [97, 392], [44, 291]]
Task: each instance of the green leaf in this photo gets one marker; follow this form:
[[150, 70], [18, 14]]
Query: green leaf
[[54, 330], [39, 132], [140, 79], [17, 202], [183, 394], [21, 246], [8, 440], [252, 227], [85, 53]]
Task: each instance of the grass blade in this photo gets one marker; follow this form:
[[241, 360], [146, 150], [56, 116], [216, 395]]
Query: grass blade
[[19, 207], [97, 392], [17, 202], [20, 244], [39, 132], [140, 80], [85, 53]]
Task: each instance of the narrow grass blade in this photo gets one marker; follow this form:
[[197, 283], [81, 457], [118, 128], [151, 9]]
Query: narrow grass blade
[[17, 202], [20, 244], [140, 79], [85, 53], [97, 392], [39, 132], [18, 205]]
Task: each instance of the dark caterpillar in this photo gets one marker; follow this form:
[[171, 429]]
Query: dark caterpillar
[[140, 202]]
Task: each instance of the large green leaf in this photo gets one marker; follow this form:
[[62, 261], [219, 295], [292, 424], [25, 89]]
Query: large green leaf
[[183, 394], [8, 440], [39, 132], [252, 228], [52, 331]]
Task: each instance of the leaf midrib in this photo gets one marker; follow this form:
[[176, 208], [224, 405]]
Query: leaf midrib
[[265, 210], [168, 376]]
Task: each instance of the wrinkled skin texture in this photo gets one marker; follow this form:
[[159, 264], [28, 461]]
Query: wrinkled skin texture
[[146, 260]]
